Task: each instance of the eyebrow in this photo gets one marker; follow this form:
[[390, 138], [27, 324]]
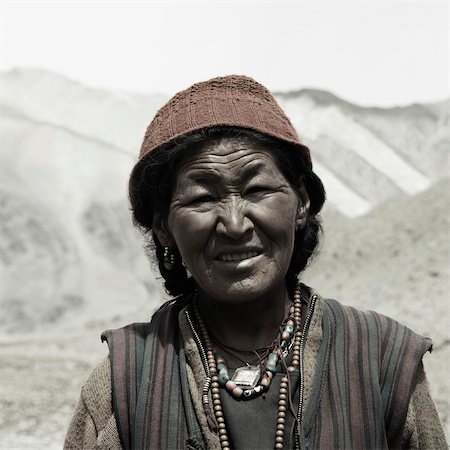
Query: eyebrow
[[206, 177], [252, 170]]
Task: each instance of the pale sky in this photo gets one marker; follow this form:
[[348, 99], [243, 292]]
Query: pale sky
[[370, 53]]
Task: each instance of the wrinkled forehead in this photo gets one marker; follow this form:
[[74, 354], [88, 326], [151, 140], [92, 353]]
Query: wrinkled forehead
[[232, 158]]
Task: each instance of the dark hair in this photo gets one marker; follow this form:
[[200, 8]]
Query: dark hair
[[153, 178]]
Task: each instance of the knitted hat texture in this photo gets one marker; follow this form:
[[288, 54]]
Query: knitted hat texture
[[233, 100]]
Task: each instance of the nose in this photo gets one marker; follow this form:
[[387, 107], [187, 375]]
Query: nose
[[233, 221]]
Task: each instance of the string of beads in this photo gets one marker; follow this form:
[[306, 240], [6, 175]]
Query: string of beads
[[218, 373]]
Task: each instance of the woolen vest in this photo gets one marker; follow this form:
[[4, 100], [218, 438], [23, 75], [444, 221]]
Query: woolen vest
[[366, 371]]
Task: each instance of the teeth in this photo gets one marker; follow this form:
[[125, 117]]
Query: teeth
[[238, 257]]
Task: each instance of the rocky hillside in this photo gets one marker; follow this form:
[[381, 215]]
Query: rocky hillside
[[368, 155]]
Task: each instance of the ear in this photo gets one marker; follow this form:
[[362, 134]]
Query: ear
[[161, 230], [303, 209]]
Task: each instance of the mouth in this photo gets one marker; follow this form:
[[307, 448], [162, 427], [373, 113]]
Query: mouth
[[237, 257]]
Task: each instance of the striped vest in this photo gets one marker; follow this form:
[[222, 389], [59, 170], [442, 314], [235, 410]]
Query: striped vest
[[365, 376]]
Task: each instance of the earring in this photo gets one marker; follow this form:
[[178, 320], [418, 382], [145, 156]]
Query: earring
[[168, 259], [189, 274]]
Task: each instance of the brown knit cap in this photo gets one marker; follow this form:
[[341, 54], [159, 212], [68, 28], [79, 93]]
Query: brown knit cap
[[234, 100]]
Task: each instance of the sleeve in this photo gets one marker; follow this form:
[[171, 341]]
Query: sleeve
[[93, 424], [423, 429], [82, 433]]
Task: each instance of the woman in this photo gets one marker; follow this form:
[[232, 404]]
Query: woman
[[245, 356]]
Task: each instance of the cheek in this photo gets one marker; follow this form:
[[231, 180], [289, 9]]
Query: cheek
[[191, 232], [279, 217]]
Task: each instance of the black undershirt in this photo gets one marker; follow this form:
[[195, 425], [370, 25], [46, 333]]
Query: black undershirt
[[251, 424]]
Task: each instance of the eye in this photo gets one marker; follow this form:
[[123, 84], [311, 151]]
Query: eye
[[206, 198], [258, 189]]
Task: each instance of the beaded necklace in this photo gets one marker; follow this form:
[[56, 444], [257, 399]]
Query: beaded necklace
[[248, 382]]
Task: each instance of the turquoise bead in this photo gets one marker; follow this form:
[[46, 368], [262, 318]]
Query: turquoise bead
[[272, 357], [271, 368], [223, 378], [221, 367], [289, 328]]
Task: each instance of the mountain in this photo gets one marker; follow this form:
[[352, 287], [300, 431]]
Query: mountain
[[65, 229], [368, 155], [116, 119]]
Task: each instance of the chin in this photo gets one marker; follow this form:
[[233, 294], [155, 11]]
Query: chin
[[241, 290]]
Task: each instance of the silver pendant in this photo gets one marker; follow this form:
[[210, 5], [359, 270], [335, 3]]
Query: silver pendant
[[247, 377]]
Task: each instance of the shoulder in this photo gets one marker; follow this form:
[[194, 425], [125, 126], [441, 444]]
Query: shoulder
[[163, 318], [392, 352], [385, 332], [128, 368]]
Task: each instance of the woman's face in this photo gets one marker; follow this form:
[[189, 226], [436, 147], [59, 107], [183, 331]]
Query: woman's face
[[233, 217]]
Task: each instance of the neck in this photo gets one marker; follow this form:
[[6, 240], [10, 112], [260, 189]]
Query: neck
[[245, 326]]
